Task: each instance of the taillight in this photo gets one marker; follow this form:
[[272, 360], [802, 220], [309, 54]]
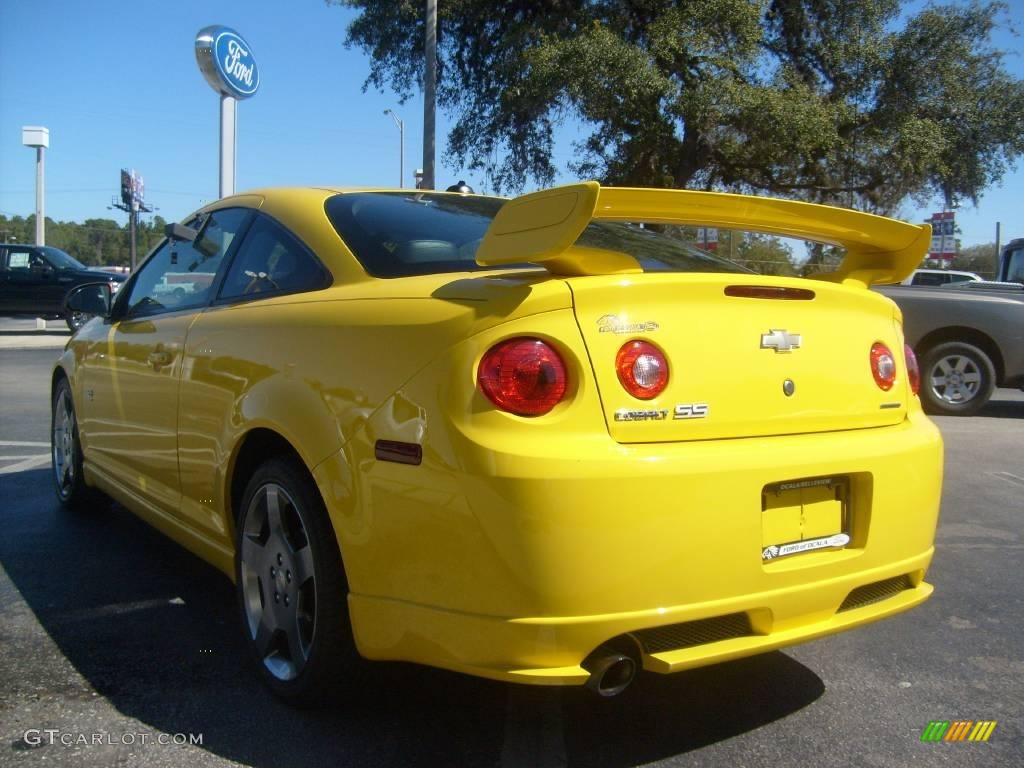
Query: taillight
[[642, 369], [522, 376], [913, 370], [883, 366]]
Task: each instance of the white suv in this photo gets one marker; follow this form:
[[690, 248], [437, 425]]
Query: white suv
[[939, 277]]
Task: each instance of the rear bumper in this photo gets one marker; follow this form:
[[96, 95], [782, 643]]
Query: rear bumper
[[492, 647], [516, 565]]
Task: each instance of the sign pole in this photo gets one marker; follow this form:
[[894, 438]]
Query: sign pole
[[132, 203], [227, 63], [132, 216], [228, 133]]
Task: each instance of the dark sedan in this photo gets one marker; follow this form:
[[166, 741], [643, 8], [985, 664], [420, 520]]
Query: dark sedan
[[34, 279]]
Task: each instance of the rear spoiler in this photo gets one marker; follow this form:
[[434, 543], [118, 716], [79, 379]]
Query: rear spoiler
[[542, 226]]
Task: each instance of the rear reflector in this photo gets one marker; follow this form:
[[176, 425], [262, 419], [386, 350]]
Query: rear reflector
[[398, 452], [769, 292]]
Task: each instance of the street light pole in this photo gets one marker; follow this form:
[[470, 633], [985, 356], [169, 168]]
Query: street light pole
[[38, 137], [40, 196], [401, 147]]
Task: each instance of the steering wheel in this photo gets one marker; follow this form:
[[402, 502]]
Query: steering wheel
[[257, 279]]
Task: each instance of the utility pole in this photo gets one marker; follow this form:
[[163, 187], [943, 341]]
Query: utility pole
[[429, 94], [131, 202], [133, 223], [999, 246]]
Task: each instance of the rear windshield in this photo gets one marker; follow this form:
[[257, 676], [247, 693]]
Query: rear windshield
[[395, 234]]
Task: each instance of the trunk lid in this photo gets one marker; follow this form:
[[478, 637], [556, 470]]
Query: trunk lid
[[730, 357]]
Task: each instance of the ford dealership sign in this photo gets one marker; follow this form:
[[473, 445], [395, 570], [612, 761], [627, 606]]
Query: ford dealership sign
[[226, 61]]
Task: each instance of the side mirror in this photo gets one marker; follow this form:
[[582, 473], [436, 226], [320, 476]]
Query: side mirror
[[89, 299]]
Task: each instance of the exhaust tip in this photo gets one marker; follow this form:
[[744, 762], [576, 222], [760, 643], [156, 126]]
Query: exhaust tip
[[611, 672]]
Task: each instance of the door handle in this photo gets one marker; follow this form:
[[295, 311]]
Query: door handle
[[156, 359]]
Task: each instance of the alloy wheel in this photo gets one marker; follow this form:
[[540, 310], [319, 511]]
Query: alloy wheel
[[278, 581], [63, 444], [955, 379]]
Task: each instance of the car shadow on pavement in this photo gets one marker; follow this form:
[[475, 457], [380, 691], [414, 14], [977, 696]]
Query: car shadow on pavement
[[36, 333], [1003, 408], [154, 630]]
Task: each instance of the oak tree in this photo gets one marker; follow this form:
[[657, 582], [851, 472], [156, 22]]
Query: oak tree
[[861, 103]]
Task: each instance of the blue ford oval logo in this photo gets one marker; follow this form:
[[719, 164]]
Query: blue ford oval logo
[[226, 61]]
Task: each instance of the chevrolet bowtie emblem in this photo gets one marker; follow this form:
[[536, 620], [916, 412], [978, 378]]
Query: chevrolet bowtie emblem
[[780, 340]]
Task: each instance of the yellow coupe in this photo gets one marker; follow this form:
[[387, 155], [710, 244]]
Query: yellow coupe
[[526, 439]]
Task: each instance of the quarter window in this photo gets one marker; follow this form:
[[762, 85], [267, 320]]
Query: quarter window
[[271, 261]]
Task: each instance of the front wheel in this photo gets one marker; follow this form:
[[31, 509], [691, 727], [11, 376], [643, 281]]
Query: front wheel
[[957, 379], [291, 585], [66, 449]]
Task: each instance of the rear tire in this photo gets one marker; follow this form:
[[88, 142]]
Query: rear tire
[[957, 379], [291, 587]]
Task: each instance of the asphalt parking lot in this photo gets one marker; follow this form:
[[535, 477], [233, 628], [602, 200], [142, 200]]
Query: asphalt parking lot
[[109, 630]]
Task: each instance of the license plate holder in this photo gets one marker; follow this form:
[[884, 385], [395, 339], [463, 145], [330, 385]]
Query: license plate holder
[[805, 515]]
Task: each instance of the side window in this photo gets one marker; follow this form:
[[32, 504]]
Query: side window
[[271, 261], [24, 260], [1015, 266], [180, 274], [928, 278]]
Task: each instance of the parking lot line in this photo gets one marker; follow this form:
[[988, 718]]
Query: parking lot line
[[26, 462]]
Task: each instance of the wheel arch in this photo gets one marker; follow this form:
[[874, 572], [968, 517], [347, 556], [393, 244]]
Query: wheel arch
[[253, 448], [964, 335], [66, 367], [55, 378]]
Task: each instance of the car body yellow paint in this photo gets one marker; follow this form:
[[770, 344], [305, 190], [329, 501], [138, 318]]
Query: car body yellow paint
[[520, 545]]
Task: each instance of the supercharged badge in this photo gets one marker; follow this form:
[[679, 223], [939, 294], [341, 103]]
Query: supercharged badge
[[807, 545], [612, 324]]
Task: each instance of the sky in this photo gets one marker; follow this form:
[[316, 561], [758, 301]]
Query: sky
[[117, 84]]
